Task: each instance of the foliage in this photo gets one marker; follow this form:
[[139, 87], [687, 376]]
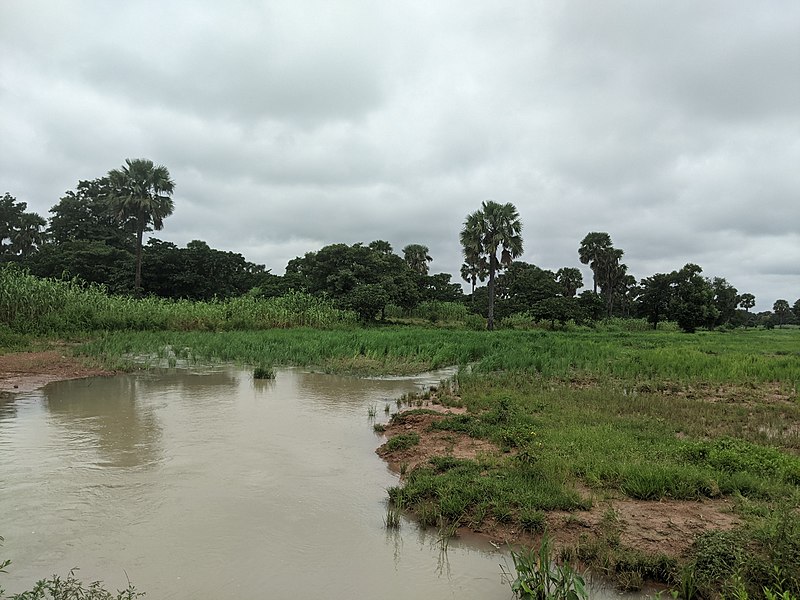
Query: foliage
[[782, 310], [139, 195], [21, 233], [417, 258], [71, 588], [48, 306], [537, 577], [492, 229], [692, 301], [402, 441]]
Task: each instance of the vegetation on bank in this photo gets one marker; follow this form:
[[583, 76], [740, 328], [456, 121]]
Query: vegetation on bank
[[615, 408]]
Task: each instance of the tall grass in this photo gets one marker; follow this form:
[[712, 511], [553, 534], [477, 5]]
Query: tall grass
[[52, 307]]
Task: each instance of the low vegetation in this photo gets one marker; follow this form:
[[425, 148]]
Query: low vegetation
[[579, 417]]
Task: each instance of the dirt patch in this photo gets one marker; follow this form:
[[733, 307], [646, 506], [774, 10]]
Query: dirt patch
[[28, 371], [431, 443], [652, 527]]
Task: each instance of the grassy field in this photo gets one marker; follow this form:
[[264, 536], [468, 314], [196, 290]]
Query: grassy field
[[619, 410]]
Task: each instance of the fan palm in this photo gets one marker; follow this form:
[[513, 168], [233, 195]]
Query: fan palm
[[140, 196], [492, 229]]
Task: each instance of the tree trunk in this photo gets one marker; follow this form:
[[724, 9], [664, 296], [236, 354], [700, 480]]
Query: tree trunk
[[137, 282], [490, 323]]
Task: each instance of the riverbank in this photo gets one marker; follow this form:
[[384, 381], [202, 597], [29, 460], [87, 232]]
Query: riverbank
[[27, 371]]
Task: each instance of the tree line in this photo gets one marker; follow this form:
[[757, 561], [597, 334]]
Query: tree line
[[95, 234]]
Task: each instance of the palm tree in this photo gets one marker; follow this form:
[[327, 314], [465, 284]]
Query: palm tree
[[473, 269], [594, 246], [29, 234], [140, 196], [495, 227], [416, 257]]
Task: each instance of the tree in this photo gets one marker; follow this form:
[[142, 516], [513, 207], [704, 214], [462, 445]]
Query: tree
[[655, 298], [139, 195], [592, 250], [473, 270], [417, 258], [747, 301], [692, 304], [492, 229], [21, 233], [570, 280], [796, 309], [521, 286], [782, 310], [726, 299]]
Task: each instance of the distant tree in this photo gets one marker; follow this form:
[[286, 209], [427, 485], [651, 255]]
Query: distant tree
[[21, 232], [367, 300], [655, 298], [782, 310], [796, 309], [381, 246], [747, 301], [29, 235], [140, 194], [692, 304], [521, 286], [592, 252], [726, 299], [492, 229], [417, 258], [473, 270], [438, 287], [570, 280], [557, 308], [336, 270], [591, 305]]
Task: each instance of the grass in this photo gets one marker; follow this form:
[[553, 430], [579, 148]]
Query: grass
[[620, 410]]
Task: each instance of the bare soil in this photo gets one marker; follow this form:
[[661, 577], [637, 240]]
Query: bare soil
[[653, 527], [28, 371]]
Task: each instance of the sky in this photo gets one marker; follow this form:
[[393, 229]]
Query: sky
[[291, 124]]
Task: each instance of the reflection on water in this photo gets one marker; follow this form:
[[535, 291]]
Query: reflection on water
[[212, 485]]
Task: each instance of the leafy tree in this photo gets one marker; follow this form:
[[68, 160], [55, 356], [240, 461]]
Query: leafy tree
[[692, 304], [367, 300], [521, 286], [417, 258], [557, 308], [655, 298], [139, 194], [570, 280], [438, 287], [782, 310], [492, 229], [336, 270], [726, 299], [796, 309], [591, 305], [592, 252], [85, 215]]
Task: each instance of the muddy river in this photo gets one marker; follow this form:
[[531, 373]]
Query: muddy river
[[209, 485]]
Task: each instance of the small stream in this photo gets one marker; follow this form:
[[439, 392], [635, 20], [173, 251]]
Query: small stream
[[207, 484]]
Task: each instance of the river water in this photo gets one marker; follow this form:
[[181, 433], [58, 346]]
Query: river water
[[210, 485]]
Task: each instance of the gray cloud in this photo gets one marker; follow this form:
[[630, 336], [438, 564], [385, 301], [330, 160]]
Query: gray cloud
[[289, 125]]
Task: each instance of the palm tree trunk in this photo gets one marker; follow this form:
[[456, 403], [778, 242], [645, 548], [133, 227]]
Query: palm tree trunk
[[137, 282], [490, 323]]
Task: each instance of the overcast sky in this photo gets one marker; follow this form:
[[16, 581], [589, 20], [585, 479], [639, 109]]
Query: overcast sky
[[289, 125]]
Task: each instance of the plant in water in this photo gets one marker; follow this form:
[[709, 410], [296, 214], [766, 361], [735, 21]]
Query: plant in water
[[372, 410], [539, 578], [263, 372]]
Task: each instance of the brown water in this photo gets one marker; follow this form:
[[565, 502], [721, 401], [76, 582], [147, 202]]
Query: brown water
[[212, 485]]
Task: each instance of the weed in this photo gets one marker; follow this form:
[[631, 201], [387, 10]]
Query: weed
[[402, 441], [263, 372], [537, 577]]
